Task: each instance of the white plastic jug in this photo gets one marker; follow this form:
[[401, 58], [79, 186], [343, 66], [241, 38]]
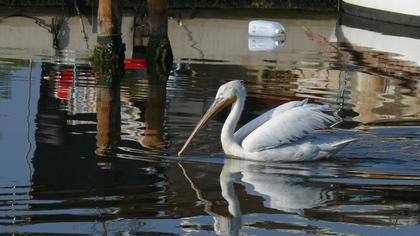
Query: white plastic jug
[[267, 44], [265, 28]]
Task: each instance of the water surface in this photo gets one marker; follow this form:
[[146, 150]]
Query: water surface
[[81, 156]]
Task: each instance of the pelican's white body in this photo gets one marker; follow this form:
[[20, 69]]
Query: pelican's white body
[[277, 135]]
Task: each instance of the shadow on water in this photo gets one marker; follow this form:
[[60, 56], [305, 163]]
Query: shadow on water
[[101, 146]]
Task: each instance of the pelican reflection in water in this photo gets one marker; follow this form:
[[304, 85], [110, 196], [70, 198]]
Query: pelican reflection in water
[[280, 134], [279, 190]]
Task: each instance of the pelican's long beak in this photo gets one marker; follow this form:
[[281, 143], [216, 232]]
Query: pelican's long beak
[[216, 107]]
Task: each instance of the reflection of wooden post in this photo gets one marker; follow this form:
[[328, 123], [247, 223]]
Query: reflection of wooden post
[[108, 119], [155, 115]]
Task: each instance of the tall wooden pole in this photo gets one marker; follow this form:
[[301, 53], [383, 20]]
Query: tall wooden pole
[[108, 61], [108, 56], [158, 17], [110, 17], [159, 52]]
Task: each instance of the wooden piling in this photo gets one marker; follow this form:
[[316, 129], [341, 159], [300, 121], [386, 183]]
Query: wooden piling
[[110, 17], [159, 51], [109, 54]]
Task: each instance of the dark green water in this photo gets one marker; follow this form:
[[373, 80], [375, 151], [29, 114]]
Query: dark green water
[[79, 156]]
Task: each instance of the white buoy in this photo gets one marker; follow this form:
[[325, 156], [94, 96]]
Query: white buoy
[[265, 28]]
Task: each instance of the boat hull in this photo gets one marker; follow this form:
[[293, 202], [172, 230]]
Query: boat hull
[[405, 12]]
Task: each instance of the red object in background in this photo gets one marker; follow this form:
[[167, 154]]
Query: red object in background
[[62, 84], [135, 63], [62, 94]]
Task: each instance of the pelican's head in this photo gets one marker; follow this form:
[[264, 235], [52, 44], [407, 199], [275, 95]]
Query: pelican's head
[[226, 95], [231, 90]]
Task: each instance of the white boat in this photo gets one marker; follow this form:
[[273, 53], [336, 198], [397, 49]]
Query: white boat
[[393, 40], [405, 12], [388, 54]]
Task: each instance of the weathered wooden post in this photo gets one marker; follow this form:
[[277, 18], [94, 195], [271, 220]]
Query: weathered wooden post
[[159, 63], [108, 62], [159, 52], [158, 17], [108, 56], [110, 17]]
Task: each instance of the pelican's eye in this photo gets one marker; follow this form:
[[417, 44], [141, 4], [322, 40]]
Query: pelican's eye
[[227, 103], [231, 101]]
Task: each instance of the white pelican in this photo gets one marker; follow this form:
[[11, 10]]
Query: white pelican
[[279, 134]]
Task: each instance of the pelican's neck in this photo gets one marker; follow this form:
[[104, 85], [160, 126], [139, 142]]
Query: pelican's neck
[[227, 180], [227, 225], [230, 145]]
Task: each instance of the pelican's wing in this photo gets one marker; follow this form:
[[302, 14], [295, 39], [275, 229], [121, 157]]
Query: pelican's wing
[[257, 122], [288, 127]]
